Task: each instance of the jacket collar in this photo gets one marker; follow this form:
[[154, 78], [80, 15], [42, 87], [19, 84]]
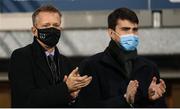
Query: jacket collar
[[41, 60], [119, 54], [115, 57]]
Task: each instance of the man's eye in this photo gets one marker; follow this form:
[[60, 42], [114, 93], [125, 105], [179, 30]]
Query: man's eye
[[135, 29], [45, 26], [56, 26], [125, 29]]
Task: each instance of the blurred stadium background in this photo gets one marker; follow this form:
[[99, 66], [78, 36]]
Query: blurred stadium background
[[84, 25]]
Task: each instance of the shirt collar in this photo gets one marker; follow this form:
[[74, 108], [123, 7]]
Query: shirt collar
[[52, 53]]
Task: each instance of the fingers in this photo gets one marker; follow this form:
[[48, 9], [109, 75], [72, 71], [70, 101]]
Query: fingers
[[79, 86], [78, 74], [163, 83], [154, 80], [151, 91], [65, 78], [83, 83], [81, 78], [131, 91], [75, 72], [133, 85], [136, 83], [84, 79], [157, 94], [155, 90], [132, 95], [74, 81], [161, 87]]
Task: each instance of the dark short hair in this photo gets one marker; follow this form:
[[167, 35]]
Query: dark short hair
[[44, 8], [123, 14]]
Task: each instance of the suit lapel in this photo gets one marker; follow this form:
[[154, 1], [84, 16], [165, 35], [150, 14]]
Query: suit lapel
[[40, 60], [108, 60], [138, 63], [60, 63]]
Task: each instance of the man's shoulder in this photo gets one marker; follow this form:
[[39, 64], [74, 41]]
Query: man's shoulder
[[65, 58], [23, 50], [90, 63], [93, 59], [96, 57], [146, 61]]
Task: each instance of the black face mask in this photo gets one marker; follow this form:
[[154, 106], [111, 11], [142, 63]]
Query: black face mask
[[49, 36]]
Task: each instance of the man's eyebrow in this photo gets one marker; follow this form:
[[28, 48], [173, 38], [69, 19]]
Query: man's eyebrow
[[125, 28], [134, 28], [128, 27]]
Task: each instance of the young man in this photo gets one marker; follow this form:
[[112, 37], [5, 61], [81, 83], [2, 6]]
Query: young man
[[39, 75], [121, 78]]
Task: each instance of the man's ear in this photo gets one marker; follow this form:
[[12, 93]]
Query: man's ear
[[34, 31], [111, 33]]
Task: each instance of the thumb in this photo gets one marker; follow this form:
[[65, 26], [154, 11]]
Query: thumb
[[163, 83], [65, 78], [154, 80]]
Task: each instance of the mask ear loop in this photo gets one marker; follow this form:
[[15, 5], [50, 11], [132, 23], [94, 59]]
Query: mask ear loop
[[35, 26], [115, 33]]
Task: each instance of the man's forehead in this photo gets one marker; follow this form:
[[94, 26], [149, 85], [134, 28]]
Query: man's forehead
[[45, 17], [127, 26], [127, 23], [48, 14]]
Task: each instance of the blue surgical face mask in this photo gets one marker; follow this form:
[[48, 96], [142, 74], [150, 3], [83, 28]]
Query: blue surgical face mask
[[129, 42]]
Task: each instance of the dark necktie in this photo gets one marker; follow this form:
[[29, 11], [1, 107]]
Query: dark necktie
[[53, 68]]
